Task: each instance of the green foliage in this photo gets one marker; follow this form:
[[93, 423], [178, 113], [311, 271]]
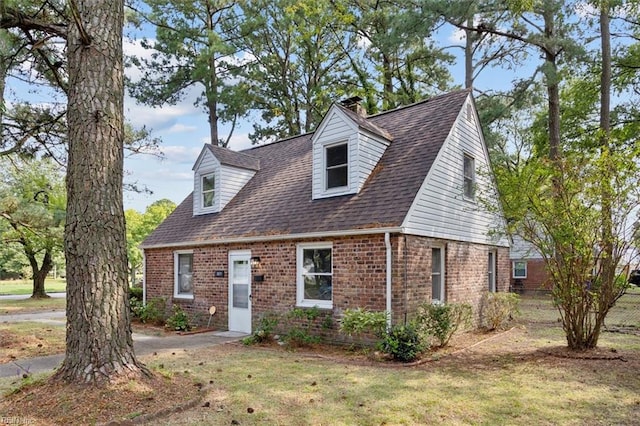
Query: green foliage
[[403, 343], [154, 312], [265, 330], [361, 321], [442, 320], [179, 320], [498, 309], [136, 292], [298, 326]]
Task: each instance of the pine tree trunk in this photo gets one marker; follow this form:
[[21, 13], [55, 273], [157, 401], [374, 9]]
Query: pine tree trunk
[[40, 274], [99, 346]]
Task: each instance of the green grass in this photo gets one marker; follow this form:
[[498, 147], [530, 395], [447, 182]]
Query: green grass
[[30, 305], [26, 286]]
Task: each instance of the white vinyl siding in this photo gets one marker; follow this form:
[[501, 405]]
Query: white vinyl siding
[[229, 181], [521, 249], [440, 209], [364, 152]]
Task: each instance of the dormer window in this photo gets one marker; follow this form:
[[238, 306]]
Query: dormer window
[[337, 166], [208, 189]]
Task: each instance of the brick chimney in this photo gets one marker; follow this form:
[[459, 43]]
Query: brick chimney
[[354, 105]]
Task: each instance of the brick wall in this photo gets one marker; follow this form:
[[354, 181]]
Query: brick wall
[[537, 278], [359, 275]]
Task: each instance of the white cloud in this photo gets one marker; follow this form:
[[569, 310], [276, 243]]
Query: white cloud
[[181, 128], [180, 153]]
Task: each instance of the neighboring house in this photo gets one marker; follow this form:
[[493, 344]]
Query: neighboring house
[[379, 212], [528, 270]]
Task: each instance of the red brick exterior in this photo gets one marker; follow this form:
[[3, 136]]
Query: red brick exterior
[[537, 278], [359, 275]]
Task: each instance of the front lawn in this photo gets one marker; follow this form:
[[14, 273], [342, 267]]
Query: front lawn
[[26, 286]]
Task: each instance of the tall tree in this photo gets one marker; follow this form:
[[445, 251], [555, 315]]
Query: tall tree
[[99, 344], [298, 63], [139, 226], [397, 50], [190, 52], [32, 203]]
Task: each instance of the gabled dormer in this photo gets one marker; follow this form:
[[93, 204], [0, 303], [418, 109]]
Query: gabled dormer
[[346, 149], [218, 175]]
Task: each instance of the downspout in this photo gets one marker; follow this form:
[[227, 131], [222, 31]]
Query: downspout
[[144, 278], [387, 242]]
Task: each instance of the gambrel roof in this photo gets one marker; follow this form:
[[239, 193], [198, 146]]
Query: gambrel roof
[[277, 201]]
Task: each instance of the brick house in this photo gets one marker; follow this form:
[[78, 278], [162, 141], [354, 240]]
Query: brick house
[[528, 270], [383, 212]]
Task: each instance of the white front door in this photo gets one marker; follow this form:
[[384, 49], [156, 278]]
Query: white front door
[[240, 291]]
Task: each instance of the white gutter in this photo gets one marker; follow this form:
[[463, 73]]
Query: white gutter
[[387, 242], [144, 278], [261, 238]]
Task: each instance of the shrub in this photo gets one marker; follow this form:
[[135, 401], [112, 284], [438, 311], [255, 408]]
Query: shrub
[[360, 321], [135, 292], [298, 324], [153, 312], [403, 343], [179, 321], [264, 332], [442, 320], [498, 309]]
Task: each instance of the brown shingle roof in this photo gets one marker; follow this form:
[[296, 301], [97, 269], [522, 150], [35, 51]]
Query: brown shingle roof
[[233, 158], [277, 200]]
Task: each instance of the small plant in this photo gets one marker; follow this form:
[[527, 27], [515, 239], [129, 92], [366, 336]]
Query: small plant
[[403, 343], [264, 332], [298, 324], [358, 322], [179, 321], [154, 312], [442, 320], [498, 309], [136, 292]]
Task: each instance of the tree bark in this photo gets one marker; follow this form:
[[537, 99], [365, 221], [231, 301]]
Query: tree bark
[[40, 274], [99, 345]]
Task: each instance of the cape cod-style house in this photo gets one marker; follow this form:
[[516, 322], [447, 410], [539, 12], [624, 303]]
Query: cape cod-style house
[[381, 212]]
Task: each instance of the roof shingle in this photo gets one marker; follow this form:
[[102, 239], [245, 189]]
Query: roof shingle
[[277, 200]]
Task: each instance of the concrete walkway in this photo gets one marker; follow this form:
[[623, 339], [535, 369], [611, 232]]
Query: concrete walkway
[[143, 344]]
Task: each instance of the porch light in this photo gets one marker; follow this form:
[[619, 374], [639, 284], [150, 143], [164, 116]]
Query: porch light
[[255, 261]]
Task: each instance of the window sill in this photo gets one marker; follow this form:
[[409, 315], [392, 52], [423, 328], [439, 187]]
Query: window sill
[[183, 296], [316, 304]]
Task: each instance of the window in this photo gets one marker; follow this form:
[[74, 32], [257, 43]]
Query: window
[[336, 163], [437, 276], [469, 177], [519, 269], [315, 275], [491, 273], [208, 189], [183, 275]]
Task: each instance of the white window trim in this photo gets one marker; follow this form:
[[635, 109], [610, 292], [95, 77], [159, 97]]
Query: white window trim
[[175, 275], [513, 269], [216, 190], [202, 191], [442, 276], [339, 189], [466, 155], [300, 300]]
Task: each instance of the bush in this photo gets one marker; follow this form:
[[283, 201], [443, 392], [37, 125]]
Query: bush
[[153, 312], [403, 343], [498, 309], [179, 321], [298, 324], [135, 292], [361, 321], [264, 332], [442, 320]]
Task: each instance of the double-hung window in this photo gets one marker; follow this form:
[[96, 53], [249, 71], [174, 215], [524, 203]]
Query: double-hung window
[[208, 189], [183, 274], [315, 275], [437, 275], [337, 165], [469, 177], [520, 269]]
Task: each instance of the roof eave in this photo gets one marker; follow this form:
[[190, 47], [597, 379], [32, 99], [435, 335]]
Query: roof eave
[[262, 238]]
